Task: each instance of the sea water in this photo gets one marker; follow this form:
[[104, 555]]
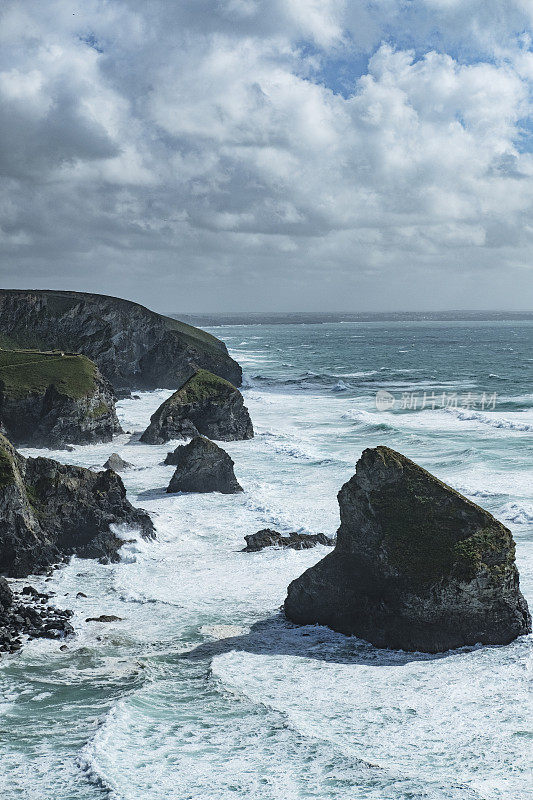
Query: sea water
[[202, 690]]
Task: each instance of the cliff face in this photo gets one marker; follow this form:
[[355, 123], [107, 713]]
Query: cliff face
[[53, 399], [416, 566], [205, 405], [133, 347], [49, 511]]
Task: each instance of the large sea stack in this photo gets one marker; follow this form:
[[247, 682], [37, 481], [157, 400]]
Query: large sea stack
[[416, 566], [49, 511], [51, 399], [133, 347], [205, 405]]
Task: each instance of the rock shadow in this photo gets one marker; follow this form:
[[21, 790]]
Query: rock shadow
[[277, 636]]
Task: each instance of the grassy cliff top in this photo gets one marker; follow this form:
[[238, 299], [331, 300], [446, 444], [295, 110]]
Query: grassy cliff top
[[33, 371], [202, 385]]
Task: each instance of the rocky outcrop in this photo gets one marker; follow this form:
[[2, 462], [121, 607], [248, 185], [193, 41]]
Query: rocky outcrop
[[29, 614], [295, 541], [116, 463], [416, 566], [205, 405], [51, 399], [132, 346], [202, 466], [49, 511]]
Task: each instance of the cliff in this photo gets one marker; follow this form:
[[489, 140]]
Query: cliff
[[49, 511], [416, 566], [53, 399], [133, 347]]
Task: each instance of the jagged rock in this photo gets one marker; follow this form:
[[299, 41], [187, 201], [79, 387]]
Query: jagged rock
[[203, 467], [48, 399], [49, 511], [416, 566], [296, 541], [133, 347], [172, 457], [32, 618], [105, 618], [117, 463], [205, 405]]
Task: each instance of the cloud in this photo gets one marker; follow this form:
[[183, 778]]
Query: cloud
[[200, 154]]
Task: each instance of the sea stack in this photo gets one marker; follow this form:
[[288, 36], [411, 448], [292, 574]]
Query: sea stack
[[205, 405], [203, 466], [416, 566]]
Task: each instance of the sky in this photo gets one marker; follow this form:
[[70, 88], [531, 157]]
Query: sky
[[276, 155]]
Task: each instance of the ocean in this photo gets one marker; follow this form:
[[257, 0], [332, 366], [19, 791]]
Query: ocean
[[202, 691]]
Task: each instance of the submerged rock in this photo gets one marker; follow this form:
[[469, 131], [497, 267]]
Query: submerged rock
[[205, 405], [202, 466], [296, 541], [116, 463], [48, 399], [416, 566], [105, 618], [49, 511], [133, 347]]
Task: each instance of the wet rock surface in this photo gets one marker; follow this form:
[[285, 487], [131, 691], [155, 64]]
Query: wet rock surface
[[416, 566], [202, 466], [29, 615], [295, 541], [205, 405], [116, 463], [49, 511]]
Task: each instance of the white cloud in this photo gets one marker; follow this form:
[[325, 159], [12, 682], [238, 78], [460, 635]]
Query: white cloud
[[197, 143]]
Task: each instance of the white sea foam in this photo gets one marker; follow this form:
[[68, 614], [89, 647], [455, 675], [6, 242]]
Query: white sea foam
[[201, 690]]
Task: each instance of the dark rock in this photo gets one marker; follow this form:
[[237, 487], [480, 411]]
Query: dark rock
[[202, 466], [49, 511], [117, 463], [133, 347], [296, 541], [105, 618], [28, 618], [173, 457], [81, 594], [205, 405], [48, 399], [417, 566]]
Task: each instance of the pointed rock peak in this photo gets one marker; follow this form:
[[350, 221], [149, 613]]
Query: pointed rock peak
[[416, 566]]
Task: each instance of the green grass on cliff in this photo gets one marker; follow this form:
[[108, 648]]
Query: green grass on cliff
[[422, 522], [33, 371], [203, 385]]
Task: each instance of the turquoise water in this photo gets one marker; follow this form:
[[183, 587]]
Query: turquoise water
[[202, 690]]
